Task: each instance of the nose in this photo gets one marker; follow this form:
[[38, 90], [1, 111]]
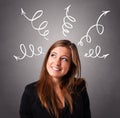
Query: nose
[[57, 62]]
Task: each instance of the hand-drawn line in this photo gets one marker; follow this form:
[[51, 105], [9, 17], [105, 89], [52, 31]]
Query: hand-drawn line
[[41, 27], [94, 53], [24, 52], [67, 24], [97, 25]]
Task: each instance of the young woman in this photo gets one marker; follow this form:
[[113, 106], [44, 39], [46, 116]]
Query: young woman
[[60, 91]]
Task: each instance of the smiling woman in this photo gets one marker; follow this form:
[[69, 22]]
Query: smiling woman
[[58, 62], [60, 91]]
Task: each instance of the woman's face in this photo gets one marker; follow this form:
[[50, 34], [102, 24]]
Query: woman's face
[[58, 62]]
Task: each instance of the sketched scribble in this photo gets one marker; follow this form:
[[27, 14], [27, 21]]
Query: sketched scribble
[[98, 26], [24, 52], [94, 53], [42, 25], [67, 25]]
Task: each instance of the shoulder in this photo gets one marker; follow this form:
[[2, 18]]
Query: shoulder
[[80, 82], [30, 88], [79, 85], [31, 85], [30, 92], [81, 98]]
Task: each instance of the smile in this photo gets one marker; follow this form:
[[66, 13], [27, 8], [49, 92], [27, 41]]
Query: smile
[[56, 69]]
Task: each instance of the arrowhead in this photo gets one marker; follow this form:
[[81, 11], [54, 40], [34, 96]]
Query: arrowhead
[[68, 8], [22, 12], [105, 12], [15, 57], [106, 56]]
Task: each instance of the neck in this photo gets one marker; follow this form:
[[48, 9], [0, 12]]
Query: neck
[[56, 82], [60, 95]]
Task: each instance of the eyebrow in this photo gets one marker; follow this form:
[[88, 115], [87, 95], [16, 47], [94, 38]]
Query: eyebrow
[[62, 55]]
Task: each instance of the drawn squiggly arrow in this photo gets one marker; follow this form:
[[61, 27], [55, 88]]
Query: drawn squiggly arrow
[[41, 27], [97, 25], [94, 53], [24, 52], [66, 25]]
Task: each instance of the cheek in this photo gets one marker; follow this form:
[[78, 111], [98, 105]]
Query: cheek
[[48, 62], [47, 65], [66, 67]]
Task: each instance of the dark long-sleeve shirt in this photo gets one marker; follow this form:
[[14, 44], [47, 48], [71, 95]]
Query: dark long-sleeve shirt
[[31, 106]]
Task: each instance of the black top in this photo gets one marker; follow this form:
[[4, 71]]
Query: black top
[[31, 106]]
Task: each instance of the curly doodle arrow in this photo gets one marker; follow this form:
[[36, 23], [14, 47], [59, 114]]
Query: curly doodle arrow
[[97, 25], [41, 27]]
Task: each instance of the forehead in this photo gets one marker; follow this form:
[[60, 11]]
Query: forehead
[[62, 51]]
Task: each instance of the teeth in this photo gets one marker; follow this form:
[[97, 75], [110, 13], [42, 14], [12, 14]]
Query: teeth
[[54, 68]]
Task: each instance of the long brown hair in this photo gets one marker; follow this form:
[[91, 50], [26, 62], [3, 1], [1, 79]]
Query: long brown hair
[[45, 87]]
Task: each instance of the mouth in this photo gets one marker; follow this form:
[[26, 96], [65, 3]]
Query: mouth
[[56, 68]]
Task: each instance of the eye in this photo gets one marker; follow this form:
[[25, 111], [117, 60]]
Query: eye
[[52, 55], [65, 59]]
